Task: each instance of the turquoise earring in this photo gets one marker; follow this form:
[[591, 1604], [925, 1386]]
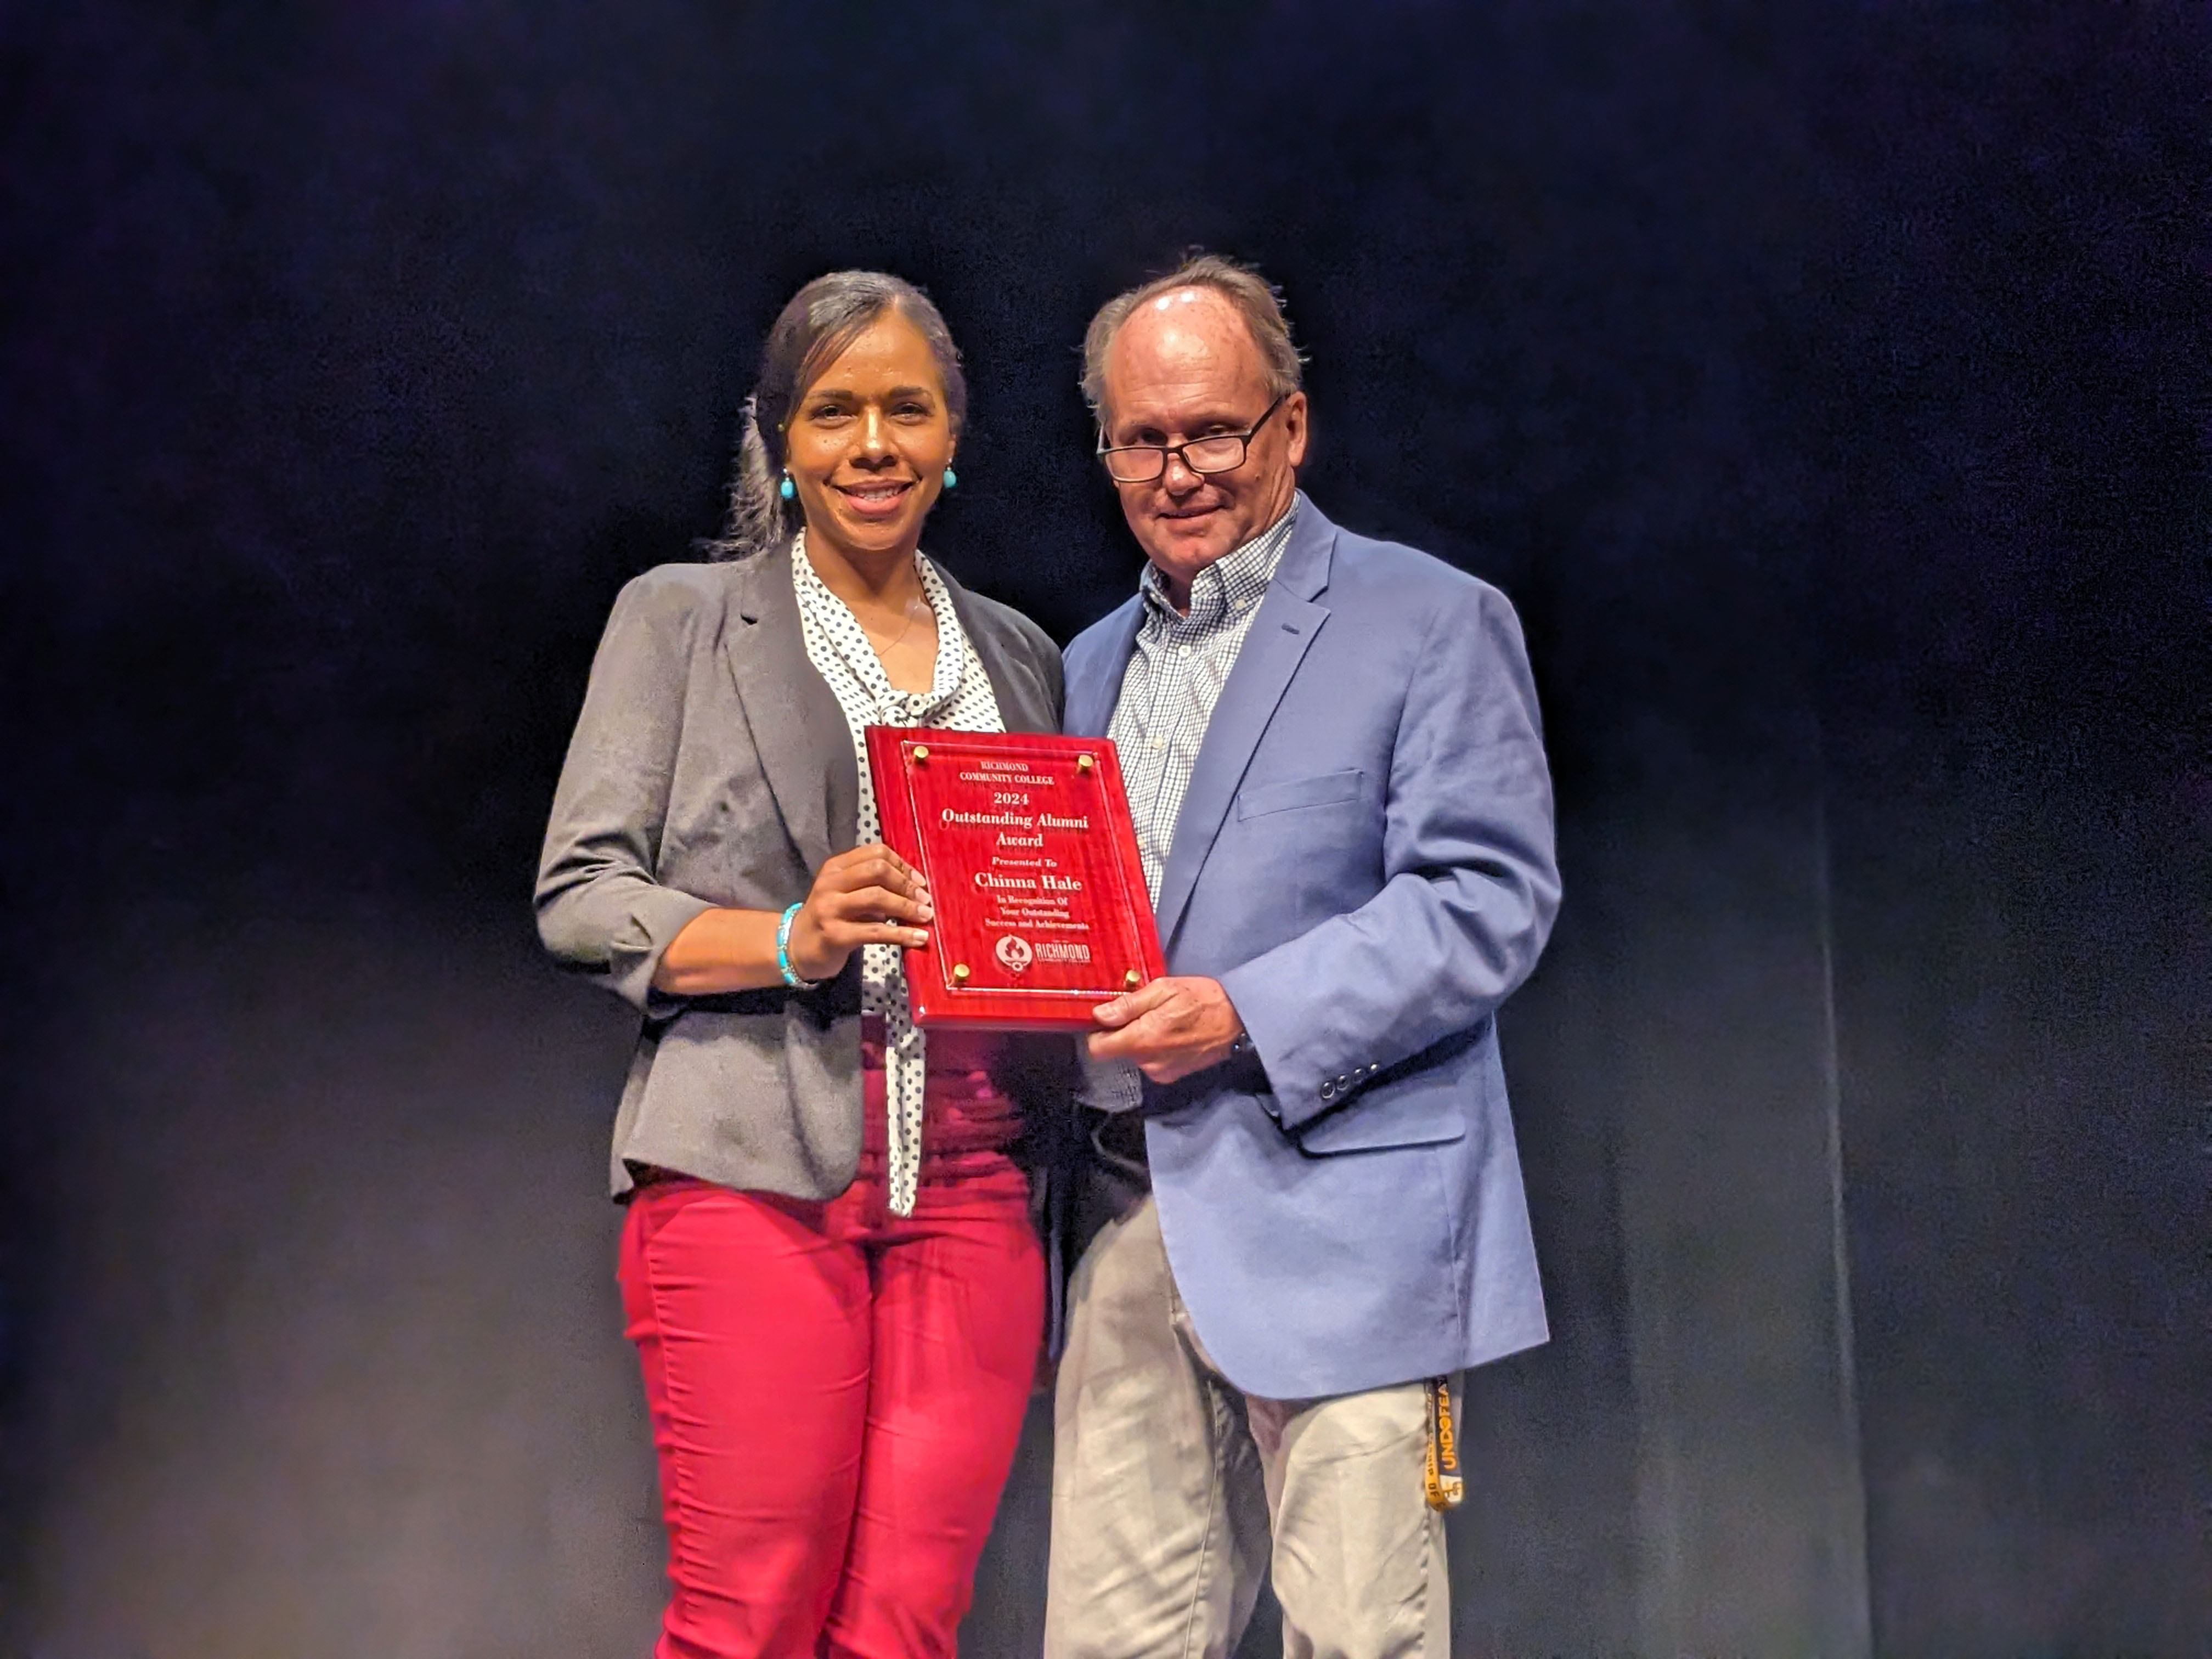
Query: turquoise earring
[[950, 478], [786, 488]]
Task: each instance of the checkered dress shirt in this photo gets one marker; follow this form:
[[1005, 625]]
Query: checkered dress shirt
[[1168, 689]]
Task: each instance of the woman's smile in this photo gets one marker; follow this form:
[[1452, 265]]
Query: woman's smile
[[878, 498]]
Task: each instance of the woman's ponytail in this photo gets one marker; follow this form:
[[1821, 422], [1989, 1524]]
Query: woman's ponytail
[[757, 520]]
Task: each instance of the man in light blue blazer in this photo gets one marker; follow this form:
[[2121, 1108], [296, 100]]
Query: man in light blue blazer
[[1335, 763]]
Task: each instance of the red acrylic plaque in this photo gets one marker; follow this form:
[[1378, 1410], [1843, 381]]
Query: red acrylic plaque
[[1031, 858]]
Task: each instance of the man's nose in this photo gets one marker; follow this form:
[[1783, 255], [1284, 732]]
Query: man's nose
[[1177, 478]]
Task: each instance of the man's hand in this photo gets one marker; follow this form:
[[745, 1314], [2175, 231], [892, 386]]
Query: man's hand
[[1170, 1028]]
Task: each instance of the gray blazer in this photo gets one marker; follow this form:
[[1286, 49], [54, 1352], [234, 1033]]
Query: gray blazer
[[713, 767]]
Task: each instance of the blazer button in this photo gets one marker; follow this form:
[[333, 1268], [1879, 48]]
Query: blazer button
[[1329, 1090]]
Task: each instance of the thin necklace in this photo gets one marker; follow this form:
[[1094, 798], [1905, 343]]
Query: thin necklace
[[913, 615]]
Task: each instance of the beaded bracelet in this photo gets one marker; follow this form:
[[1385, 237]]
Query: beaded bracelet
[[783, 950]]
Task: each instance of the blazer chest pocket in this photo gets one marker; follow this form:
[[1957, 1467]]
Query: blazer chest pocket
[[1259, 800]]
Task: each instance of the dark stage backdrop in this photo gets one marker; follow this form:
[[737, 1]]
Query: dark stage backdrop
[[1826, 387]]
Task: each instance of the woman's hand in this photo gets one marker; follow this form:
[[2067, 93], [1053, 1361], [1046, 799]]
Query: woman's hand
[[869, 895]]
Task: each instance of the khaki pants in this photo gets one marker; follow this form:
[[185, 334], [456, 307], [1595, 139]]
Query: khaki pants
[[1173, 1490]]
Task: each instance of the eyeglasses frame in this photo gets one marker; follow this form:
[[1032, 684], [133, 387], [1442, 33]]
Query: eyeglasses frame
[[1178, 452]]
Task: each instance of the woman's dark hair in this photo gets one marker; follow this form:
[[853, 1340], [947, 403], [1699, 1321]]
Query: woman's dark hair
[[823, 318]]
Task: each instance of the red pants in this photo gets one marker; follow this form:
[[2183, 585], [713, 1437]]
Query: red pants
[[836, 1393]]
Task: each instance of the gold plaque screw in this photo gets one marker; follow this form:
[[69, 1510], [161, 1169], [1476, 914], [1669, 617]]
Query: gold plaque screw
[[959, 973], [1132, 980], [1084, 763], [921, 751]]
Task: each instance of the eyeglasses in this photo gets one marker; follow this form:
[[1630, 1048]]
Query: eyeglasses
[[1222, 452]]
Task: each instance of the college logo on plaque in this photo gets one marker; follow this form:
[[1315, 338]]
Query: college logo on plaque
[[1030, 854]]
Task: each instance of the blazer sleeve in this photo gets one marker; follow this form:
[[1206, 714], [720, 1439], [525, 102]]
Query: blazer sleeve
[[601, 911], [1470, 889]]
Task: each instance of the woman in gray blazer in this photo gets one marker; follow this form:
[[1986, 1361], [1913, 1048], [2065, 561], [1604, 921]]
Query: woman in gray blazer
[[828, 1264]]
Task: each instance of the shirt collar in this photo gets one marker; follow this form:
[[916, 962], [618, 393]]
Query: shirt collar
[[862, 661], [1231, 584]]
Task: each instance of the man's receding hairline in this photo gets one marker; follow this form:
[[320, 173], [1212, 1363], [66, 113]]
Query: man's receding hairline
[[1239, 287], [1190, 292], [1158, 304]]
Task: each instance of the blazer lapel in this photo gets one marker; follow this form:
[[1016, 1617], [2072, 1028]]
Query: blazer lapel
[[1276, 644], [799, 730], [1093, 691], [1025, 702]]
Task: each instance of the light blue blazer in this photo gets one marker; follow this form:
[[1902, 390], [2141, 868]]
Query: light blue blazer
[[1364, 861]]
